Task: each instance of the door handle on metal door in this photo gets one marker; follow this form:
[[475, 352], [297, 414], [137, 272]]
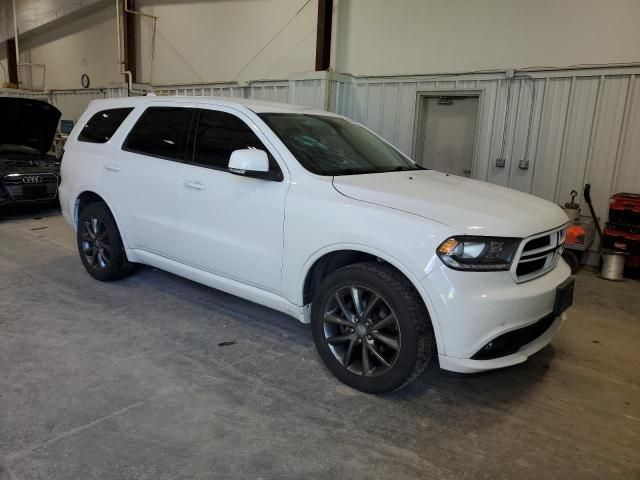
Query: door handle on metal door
[[194, 185], [111, 167]]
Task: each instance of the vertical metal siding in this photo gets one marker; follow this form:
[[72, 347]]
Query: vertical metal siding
[[266, 91], [585, 126], [627, 176]]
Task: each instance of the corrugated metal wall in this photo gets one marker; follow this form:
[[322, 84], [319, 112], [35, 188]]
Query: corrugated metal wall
[[272, 91], [585, 126]]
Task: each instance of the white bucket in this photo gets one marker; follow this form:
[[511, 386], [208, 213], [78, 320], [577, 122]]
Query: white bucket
[[572, 213], [613, 265]]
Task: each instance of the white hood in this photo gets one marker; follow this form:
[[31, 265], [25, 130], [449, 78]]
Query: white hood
[[470, 206]]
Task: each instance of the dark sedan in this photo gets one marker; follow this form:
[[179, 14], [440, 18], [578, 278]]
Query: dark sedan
[[28, 174]]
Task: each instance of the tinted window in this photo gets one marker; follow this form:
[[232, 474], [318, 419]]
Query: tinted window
[[101, 127], [219, 134], [160, 132], [334, 146]]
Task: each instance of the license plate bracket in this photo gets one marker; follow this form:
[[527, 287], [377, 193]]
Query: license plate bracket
[[564, 296], [34, 192]]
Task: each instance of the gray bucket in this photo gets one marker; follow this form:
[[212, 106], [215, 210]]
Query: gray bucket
[[613, 265]]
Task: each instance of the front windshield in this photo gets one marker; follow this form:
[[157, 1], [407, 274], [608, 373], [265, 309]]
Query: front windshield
[[327, 145]]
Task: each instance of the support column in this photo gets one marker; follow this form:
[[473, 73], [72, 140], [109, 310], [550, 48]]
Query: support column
[[323, 39]]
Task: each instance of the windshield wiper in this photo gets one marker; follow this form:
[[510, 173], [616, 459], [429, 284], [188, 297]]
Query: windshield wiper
[[406, 169]]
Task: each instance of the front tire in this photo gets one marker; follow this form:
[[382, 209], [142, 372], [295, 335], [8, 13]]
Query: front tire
[[100, 245], [371, 327]]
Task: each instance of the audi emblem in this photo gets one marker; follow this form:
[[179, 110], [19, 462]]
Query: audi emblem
[[32, 179]]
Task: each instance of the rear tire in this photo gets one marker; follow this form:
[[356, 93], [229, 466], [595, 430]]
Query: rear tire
[[371, 327], [100, 245]]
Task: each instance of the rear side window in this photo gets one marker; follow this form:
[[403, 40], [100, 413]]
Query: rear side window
[[160, 132], [101, 127], [219, 134]]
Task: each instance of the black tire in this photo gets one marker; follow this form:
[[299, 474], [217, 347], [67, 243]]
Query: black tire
[[414, 334], [108, 261]]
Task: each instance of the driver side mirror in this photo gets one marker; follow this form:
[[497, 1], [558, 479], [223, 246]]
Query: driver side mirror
[[249, 162]]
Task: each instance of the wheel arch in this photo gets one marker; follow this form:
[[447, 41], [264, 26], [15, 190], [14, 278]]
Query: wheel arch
[[88, 196], [329, 259]]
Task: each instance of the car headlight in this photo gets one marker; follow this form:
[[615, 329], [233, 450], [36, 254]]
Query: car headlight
[[478, 254]]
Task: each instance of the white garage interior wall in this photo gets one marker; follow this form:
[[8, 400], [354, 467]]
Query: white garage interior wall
[[382, 37], [200, 41], [84, 45]]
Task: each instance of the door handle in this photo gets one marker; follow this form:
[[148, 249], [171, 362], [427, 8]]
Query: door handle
[[193, 184], [111, 167]]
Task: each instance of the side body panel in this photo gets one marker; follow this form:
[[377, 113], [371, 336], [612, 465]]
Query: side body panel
[[143, 191]]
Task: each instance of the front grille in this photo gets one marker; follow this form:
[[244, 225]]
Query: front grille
[[538, 254], [31, 187]]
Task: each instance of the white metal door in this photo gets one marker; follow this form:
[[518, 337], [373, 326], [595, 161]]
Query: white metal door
[[449, 134]]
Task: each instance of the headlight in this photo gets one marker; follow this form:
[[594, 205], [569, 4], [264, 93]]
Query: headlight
[[478, 253]]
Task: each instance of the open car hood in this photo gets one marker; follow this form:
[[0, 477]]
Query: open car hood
[[28, 122]]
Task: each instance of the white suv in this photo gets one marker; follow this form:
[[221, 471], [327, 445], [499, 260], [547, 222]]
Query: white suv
[[314, 215]]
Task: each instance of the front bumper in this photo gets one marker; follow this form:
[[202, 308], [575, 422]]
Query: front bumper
[[474, 308], [468, 365]]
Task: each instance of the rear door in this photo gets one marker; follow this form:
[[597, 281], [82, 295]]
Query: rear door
[[141, 177], [232, 225]]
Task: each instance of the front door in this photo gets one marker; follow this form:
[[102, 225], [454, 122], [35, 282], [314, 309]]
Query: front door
[[231, 225]]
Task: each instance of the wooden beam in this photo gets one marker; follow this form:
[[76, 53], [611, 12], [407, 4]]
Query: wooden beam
[[323, 39], [129, 39], [12, 62]]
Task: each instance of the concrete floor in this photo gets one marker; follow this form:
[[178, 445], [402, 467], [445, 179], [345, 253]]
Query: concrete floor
[[128, 380]]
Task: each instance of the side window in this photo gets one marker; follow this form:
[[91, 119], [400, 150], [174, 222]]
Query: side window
[[219, 134], [160, 132], [101, 127]]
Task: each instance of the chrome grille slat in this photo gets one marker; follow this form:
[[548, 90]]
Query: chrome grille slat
[[537, 251], [537, 261], [533, 259]]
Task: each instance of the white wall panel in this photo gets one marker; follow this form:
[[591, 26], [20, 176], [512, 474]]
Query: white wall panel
[[557, 94], [308, 92], [606, 140], [406, 116], [628, 171], [383, 37], [265, 91], [577, 135], [482, 155]]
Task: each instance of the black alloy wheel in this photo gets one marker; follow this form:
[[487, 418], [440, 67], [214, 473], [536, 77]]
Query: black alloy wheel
[[100, 245], [362, 331], [371, 327]]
